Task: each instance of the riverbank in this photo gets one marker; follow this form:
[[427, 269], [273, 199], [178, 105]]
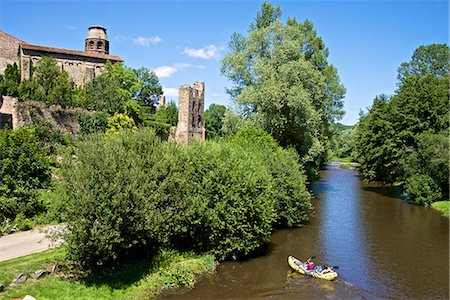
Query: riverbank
[[442, 206], [135, 279]]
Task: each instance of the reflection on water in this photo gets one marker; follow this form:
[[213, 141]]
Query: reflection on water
[[384, 247]]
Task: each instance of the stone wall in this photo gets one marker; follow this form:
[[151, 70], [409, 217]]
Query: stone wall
[[191, 116], [9, 107], [29, 112], [9, 47], [80, 69]]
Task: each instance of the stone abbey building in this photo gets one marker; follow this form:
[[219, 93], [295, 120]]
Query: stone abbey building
[[80, 65]]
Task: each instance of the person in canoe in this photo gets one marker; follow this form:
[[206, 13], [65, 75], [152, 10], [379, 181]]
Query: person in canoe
[[309, 264], [326, 269]]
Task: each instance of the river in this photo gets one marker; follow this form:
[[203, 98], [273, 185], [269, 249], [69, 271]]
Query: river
[[384, 247]]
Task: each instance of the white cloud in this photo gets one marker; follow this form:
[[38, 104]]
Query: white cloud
[[207, 52], [167, 71], [170, 92], [147, 41], [72, 28]]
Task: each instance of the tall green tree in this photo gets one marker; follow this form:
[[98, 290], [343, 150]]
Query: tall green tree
[[149, 88], [54, 81], [405, 138], [427, 60], [9, 82], [283, 82], [214, 116]]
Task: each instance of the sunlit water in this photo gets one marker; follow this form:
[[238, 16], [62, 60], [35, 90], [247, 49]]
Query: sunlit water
[[385, 248]]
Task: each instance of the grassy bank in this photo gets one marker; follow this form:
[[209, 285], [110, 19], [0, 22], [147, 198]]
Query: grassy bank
[[442, 206], [137, 279]]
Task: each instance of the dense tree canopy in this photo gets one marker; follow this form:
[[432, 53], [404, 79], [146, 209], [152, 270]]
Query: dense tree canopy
[[283, 82], [405, 137], [214, 117]]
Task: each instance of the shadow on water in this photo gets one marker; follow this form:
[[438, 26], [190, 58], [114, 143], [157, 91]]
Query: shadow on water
[[387, 191]]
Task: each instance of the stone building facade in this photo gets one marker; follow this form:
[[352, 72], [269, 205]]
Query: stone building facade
[[9, 50], [191, 115], [81, 66]]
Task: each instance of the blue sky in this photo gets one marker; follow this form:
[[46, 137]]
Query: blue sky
[[182, 41]]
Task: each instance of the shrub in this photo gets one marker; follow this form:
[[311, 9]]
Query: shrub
[[422, 189], [93, 123], [130, 191], [24, 168], [103, 195], [292, 199], [215, 198]]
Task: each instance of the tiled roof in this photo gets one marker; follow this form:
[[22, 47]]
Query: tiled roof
[[69, 52]]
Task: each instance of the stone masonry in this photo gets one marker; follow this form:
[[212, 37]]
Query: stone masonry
[[9, 47], [191, 116], [80, 65]]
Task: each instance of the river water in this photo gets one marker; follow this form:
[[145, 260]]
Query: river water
[[385, 249]]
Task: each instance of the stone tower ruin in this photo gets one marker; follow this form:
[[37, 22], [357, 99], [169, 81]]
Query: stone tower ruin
[[191, 116], [97, 40]]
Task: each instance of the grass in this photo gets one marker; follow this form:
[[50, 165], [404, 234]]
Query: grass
[[341, 159], [136, 279], [442, 206], [28, 264]]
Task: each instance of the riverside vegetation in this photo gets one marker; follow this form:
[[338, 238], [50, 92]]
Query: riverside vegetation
[[124, 193], [404, 138], [134, 203]]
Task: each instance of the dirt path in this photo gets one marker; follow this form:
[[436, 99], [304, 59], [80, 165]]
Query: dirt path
[[27, 242]]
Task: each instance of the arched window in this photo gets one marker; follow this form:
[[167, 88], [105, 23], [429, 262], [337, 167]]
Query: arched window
[[91, 45], [100, 45]]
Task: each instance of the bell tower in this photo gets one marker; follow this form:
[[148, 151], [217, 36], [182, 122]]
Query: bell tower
[[97, 40]]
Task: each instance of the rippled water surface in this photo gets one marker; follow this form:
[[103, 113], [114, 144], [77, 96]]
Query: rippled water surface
[[384, 247]]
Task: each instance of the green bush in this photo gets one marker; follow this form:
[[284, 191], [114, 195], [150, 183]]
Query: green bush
[[93, 123], [130, 191], [103, 196], [422, 189], [292, 199], [216, 198], [24, 168]]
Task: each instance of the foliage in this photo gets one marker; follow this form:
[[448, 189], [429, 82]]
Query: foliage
[[214, 120], [54, 82], [31, 89], [442, 206], [130, 191], [24, 168], [290, 194], [215, 197], [427, 60], [149, 88], [405, 137], [93, 123], [163, 120], [283, 82], [342, 141], [9, 82], [118, 122], [104, 195], [137, 279], [422, 189]]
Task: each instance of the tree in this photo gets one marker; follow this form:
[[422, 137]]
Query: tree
[[9, 83], [427, 60], [54, 82], [283, 82], [405, 138], [24, 168], [214, 120], [149, 90]]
